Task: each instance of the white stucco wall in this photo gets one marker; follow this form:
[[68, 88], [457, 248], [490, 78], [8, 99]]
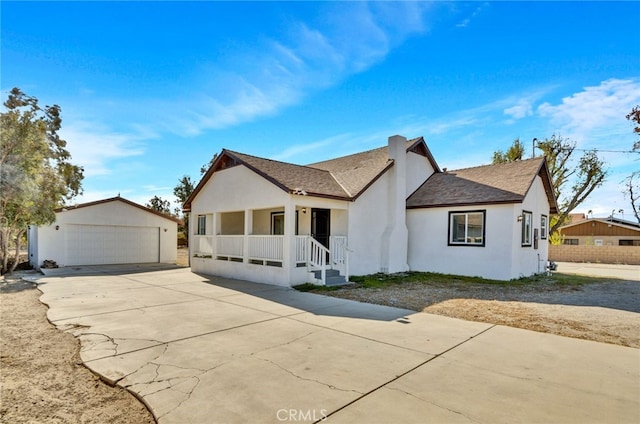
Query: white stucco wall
[[51, 243], [429, 250], [368, 216], [525, 260], [237, 189], [502, 258], [418, 170]]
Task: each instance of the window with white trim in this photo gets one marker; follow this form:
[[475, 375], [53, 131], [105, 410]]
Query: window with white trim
[[526, 228], [202, 225], [543, 226], [466, 228]]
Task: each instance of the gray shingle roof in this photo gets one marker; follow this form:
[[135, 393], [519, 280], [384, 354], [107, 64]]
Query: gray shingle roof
[[292, 177], [341, 178], [501, 183]]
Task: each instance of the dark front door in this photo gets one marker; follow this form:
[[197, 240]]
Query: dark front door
[[321, 225]]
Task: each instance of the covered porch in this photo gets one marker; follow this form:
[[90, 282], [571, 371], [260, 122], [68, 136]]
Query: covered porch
[[285, 245]]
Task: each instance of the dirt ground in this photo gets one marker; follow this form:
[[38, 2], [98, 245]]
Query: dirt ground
[[607, 312], [43, 380]]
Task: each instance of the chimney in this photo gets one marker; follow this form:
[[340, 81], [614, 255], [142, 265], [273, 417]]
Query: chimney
[[395, 236]]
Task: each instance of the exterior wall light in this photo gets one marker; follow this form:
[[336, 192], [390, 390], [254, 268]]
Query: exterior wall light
[[304, 210], [57, 227], [519, 218]]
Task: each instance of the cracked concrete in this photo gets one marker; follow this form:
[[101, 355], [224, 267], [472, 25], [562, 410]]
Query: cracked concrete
[[203, 350]]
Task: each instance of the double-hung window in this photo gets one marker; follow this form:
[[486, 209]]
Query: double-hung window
[[202, 225], [466, 228], [526, 228], [543, 227]]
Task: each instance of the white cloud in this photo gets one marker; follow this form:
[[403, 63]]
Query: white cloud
[[93, 145], [349, 38], [466, 21], [522, 109], [596, 111]]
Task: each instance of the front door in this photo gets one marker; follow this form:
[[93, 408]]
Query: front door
[[321, 225]]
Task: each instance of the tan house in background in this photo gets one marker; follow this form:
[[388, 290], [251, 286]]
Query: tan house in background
[[598, 240], [601, 232]]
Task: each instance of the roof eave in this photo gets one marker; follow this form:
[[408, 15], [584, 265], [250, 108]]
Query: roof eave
[[448, 205]]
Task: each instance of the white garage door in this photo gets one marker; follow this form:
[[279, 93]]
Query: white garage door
[[109, 244]]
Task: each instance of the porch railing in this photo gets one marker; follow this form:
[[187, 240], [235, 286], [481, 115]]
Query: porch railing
[[317, 258], [340, 253], [268, 248], [231, 246], [203, 245]]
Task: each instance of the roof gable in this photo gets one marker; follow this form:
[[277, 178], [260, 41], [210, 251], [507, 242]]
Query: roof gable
[[488, 184], [342, 178], [117, 199]]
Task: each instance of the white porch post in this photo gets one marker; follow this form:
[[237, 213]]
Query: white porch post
[[215, 230], [288, 247], [248, 226]]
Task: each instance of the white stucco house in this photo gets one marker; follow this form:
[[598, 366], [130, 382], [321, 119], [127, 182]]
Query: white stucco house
[[390, 209], [109, 231]]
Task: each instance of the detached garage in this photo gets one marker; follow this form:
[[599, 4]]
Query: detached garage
[[110, 231]]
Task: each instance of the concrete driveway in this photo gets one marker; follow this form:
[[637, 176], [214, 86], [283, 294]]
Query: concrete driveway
[[210, 350]]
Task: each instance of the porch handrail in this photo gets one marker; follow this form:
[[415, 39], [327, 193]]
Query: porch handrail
[[318, 257], [340, 253]]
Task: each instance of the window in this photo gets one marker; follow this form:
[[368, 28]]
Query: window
[[526, 228], [277, 223], [573, 242], [202, 225], [466, 228], [628, 242], [543, 227]]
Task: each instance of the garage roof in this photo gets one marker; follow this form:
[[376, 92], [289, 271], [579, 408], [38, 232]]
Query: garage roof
[[118, 199]]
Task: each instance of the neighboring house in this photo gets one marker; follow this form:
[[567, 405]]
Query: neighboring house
[[385, 210], [109, 231], [601, 232]]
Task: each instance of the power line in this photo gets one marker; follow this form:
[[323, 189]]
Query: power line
[[608, 151]]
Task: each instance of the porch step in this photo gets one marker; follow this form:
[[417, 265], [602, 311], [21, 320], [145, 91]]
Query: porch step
[[338, 280], [333, 277]]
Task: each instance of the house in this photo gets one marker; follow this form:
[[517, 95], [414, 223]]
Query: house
[[109, 231], [601, 232], [390, 209]]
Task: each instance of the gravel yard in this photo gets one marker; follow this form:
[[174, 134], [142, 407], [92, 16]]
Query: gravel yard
[[604, 310]]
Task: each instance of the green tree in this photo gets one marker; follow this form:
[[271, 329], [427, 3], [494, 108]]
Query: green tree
[[36, 175], [159, 205], [204, 168], [514, 153], [573, 179], [182, 191]]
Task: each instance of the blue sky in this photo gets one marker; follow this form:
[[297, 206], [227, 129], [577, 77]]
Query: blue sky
[[149, 91]]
